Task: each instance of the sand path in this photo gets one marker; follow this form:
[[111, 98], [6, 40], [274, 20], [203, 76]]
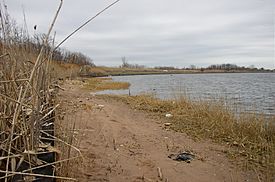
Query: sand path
[[121, 144]]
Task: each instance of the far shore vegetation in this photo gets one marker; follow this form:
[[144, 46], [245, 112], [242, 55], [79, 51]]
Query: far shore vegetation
[[134, 69]]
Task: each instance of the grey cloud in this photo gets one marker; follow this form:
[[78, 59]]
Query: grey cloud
[[176, 32]]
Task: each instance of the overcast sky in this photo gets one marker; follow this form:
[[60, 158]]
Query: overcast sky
[[161, 32]]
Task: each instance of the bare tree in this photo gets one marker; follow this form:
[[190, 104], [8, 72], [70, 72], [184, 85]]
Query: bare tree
[[125, 64]]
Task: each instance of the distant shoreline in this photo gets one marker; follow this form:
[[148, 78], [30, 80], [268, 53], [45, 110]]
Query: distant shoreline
[[177, 72]]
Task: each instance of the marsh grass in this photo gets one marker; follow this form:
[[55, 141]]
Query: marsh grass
[[250, 138], [99, 84]]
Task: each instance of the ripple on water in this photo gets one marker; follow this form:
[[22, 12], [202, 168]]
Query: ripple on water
[[254, 92]]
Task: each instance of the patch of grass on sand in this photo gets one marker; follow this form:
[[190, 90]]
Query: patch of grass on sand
[[250, 139], [98, 84]]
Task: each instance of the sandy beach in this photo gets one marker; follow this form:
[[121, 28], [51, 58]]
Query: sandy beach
[[119, 143]]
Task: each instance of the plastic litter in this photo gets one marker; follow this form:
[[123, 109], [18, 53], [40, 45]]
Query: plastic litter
[[184, 156]]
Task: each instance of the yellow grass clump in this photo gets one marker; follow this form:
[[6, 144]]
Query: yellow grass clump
[[98, 84]]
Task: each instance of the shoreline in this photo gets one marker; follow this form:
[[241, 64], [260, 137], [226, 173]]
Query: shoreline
[[114, 71], [200, 123], [175, 73]]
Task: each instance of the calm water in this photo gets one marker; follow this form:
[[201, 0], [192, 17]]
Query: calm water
[[250, 91]]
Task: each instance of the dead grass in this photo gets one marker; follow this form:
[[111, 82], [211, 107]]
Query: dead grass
[[250, 139], [98, 84], [63, 70]]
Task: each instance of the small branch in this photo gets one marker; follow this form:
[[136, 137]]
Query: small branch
[[57, 86], [50, 112]]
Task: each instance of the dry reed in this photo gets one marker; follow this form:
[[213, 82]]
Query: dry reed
[[27, 106]]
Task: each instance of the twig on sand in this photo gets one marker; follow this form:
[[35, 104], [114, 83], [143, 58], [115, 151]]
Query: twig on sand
[[114, 143], [159, 173], [58, 86]]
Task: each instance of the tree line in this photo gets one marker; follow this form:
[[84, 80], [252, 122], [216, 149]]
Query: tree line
[[13, 36]]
